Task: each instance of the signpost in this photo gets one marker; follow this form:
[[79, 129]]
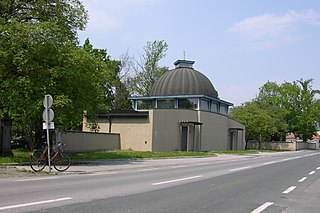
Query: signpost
[[48, 116]]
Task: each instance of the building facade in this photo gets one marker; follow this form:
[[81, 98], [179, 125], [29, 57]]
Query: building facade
[[182, 113]]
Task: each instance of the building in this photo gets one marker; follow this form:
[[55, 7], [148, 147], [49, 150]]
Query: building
[[182, 113]]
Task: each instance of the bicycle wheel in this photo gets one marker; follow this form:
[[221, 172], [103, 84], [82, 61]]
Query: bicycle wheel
[[62, 162], [37, 161]]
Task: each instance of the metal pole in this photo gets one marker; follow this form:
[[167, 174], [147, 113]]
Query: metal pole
[[48, 137]]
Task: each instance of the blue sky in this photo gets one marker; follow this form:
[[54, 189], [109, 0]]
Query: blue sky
[[238, 45]]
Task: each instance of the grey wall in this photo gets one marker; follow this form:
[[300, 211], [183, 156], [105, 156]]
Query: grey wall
[[90, 141]]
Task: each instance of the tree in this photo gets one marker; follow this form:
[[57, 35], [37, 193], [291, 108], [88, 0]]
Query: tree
[[260, 125], [148, 71], [39, 54], [298, 101], [116, 92]]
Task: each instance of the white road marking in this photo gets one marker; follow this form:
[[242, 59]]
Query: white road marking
[[290, 189], [200, 164], [150, 169], [241, 168], [35, 179], [179, 166], [270, 162], [318, 168], [35, 203], [312, 172], [262, 207], [286, 159], [176, 180], [103, 173], [302, 179]]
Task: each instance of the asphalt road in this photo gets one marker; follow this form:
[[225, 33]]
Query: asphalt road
[[276, 182]]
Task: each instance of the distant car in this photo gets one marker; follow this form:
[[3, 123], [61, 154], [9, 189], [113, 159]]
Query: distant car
[[19, 142]]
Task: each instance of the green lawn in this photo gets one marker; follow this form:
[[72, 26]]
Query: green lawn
[[127, 154], [21, 155]]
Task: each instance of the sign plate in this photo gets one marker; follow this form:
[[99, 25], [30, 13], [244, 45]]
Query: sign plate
[[50, 126], [48, 115], [47, 101]]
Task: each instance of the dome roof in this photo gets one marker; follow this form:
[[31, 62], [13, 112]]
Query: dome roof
[[183, 80]]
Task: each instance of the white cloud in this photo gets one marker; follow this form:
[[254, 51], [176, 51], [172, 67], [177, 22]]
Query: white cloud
[[274, 29]]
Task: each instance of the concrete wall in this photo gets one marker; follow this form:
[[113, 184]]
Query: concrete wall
[[292, 146], [90, 141], [214, 131], [167, 129], [136, 133]]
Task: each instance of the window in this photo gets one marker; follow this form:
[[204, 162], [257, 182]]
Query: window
[[144, 104], [223, 109], [214, 107], [188, 103], [165, 103], [204, 105]]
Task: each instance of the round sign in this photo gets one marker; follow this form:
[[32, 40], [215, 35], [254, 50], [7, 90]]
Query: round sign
[[48, 115], [47, 101]]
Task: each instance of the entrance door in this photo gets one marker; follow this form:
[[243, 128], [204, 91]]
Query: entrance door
[[184, 138], [231, 140]]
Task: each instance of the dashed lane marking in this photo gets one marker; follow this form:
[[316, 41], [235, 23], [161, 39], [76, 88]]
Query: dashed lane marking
[[262, 207], [36, 179], [312, 172], [150, 169], [290, 189], [241, 168], [270, 162], [103, 173], [35, 203], [176, 180], [302, 179]]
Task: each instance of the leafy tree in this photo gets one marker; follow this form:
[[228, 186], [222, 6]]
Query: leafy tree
[[39, 55], [298, 101], [148, 70], [116, 93], [63, 17], [260, 125]]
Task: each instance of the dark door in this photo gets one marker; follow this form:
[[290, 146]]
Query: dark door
[[184, 138], [231, 140]]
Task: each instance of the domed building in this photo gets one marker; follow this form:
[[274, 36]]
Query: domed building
[[182, 113]]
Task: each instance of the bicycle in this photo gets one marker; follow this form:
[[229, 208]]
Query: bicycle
[[60, 161]]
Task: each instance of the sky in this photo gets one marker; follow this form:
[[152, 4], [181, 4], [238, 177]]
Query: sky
[[238, 45]]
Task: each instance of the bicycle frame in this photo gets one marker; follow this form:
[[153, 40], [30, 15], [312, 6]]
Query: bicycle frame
[[53, 154], [60, 161]]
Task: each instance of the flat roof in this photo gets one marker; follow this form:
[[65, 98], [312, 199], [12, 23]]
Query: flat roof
[[180, 96]]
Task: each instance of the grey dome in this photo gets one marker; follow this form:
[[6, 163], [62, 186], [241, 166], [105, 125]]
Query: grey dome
[[183, 80]]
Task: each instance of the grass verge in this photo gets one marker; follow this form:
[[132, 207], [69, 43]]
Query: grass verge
[[21, 155], [128, 154]]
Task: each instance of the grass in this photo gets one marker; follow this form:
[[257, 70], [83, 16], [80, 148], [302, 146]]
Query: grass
[[21, 155], [128, 154]]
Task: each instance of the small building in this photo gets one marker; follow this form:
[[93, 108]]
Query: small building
[[182, 113]]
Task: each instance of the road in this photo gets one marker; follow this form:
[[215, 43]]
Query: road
[[271, 182]]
